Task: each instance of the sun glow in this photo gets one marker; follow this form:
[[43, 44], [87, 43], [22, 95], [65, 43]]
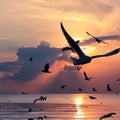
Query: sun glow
[[78, 101], [88, 49], [79, 113]]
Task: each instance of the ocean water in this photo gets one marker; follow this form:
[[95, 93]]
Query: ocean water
[[59, 106]]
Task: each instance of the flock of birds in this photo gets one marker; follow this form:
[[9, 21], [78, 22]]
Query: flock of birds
[[81, 60]]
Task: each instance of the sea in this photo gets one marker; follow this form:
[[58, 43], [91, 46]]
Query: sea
[[59, 106]]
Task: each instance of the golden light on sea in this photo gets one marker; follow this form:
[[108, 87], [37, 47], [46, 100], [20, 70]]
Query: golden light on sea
[[78, 102]]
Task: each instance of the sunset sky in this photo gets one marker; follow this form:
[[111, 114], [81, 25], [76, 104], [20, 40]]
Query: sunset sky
[[31, 28]]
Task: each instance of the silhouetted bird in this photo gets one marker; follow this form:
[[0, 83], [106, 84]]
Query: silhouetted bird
[[80, 89], [86, 77], [91, 97], [31, 58], [83, 59], [46, 68], [94, 90], [98, 40], [30, 109], [108, 87], [63, 86], [107, 116]]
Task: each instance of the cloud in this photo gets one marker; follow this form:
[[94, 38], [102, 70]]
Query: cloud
[[78, 6], [23, 69]]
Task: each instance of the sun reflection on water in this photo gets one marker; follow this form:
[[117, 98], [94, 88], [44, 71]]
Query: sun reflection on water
[[79, 113]]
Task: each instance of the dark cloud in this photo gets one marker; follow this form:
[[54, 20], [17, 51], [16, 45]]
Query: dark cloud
[[23, 69]]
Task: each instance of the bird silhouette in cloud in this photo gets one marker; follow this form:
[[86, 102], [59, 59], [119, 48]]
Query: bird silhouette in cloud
[[83, 59], [46, 68]]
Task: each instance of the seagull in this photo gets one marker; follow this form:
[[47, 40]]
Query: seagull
[[94, 90], [30, 59], [91, 97], [63, 86], [86, 77], [46, 68], [98, 40], [107, 115], [108, 87], [80, 89], [70, 48], [83, 59]]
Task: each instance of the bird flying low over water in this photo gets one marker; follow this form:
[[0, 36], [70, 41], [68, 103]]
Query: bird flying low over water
[[92, 97], [31, 58], [86, 77], [108, 88], [98, 40], [46, 68], [83, 59], [107, 115]]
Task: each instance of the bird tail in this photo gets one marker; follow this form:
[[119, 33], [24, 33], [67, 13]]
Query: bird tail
[[74, 61]]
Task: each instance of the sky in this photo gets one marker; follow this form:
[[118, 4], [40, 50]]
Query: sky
[[31, 28]]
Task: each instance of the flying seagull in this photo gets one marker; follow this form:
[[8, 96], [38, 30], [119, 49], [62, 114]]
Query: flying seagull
[[86, 77], [107, 115], [46, 68], [69, 48], [63, 86], [108, 87], [31, 58], [94, 90], [92, 97], [83, 59], [98, 40]]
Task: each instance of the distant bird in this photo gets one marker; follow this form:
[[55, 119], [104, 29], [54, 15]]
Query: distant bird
[[24, 93], [80, 89], [30, 59], [107, 115], [63, 86], [92, 97], [83, 59], [98, 40], [69, 48], [108, 87], [86, 77], [94, 90], [30, 109], [46, 68]]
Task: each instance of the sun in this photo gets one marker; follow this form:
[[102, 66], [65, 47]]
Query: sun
[[78, 101]]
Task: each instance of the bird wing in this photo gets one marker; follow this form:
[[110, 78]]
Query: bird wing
[[67, 48], [90, 35], [71, 42], [85, 75], [107, 54]]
